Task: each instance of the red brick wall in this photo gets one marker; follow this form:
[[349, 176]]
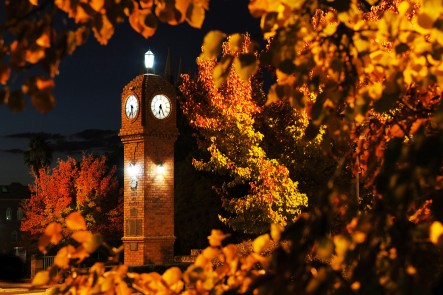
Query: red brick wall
[[149, 142]]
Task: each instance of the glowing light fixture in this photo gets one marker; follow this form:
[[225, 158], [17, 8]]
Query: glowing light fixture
[[149, 60], [133, 169], [160, 169]]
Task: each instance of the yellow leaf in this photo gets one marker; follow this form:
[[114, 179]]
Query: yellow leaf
[[53, 231], [172, 275], [260, 243], [342, 245], [82, 236], [45, 39], [75, 221], [435, 231], [212, 44], [276, 230], [210, 252], [259, 7], [41, 278], [216, 238], [236, 42]]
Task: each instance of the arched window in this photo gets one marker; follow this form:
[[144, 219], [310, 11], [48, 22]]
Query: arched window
[[8, 214], [19, 214]]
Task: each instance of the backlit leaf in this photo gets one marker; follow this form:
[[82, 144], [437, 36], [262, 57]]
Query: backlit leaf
[[41, 278], [34, 56], [435, 231], [172, 275], [33, 2], [104, 30], [276, 230], [212, 43], [75, 221], [195, 15], [54, 232], [236, 42], [143, 22], [97, 5], [5, 72], [216, 238], [43, 83], [260, 243], [82, 236], [45, 39]]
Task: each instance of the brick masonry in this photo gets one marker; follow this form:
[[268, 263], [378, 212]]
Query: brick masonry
[[149, 142]]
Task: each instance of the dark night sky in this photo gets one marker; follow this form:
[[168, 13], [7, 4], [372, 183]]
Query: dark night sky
[[91, 80]]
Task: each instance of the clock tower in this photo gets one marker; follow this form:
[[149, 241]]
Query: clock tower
[[148, 133]]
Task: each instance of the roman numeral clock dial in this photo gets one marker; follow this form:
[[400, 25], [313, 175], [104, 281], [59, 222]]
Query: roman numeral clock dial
[[160, 106]]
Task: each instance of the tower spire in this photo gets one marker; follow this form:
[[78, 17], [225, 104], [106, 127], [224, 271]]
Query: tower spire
[[168, 68]]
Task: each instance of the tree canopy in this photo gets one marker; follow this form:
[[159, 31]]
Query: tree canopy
[[87, 186]]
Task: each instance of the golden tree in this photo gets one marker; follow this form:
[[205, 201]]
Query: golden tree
[[259, 190]]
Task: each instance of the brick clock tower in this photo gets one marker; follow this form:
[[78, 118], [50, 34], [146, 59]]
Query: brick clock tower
[[148, 133]]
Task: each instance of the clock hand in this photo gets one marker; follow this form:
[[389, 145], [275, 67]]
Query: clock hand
[[160, 109]]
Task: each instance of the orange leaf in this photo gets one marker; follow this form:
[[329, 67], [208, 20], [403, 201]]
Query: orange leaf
[[80, 15], [97, 5], [53, 231], [44, 83], [43, 101], [195, 15], [396, 131], [146, 4], [103, 31], [82, 236], [33, 2], [260, 243], [143, 22], [75, 221], [5, 73], [34, 56], [45, 39]]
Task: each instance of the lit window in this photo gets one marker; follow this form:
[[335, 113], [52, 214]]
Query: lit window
[[8, 214], [19, 214]]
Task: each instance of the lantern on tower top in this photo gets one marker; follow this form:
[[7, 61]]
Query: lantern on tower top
[[149, 60]]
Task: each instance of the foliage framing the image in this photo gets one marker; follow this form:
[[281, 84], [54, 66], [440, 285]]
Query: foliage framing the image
[[43, 32]]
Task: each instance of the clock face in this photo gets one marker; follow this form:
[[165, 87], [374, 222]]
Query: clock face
[[131, 107], [160, 106]]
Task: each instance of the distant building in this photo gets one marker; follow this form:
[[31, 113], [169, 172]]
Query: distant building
[[11, 197]]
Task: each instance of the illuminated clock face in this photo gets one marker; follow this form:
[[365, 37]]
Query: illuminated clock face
[[160, 106], [131, 107]]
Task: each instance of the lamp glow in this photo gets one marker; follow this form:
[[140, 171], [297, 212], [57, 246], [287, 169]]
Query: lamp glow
[[149, 59], [133, 169], [160, 169]]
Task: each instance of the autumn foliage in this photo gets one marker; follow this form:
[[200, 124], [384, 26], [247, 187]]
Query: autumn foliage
[[43, 32], [88, 186], [259, 191]]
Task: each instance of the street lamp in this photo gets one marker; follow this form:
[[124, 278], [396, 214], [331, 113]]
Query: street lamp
[[149, 60]]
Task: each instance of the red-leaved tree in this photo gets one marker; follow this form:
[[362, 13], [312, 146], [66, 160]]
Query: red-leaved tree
[[88, 186]]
